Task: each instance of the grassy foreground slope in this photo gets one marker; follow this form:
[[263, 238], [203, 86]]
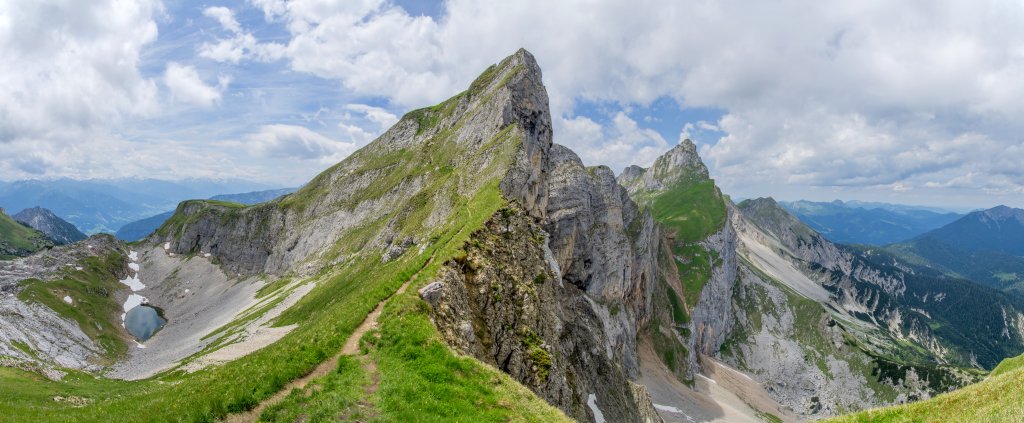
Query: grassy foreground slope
[[409, 374], [999, 398]]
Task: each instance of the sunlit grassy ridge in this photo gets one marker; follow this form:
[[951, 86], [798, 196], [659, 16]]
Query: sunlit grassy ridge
[[999, 398]]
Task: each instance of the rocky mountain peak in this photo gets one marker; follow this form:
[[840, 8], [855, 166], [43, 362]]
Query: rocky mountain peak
[[496, 131], [1003, 214], [998, 229], [45, 221], [681, 163], [681, 157]]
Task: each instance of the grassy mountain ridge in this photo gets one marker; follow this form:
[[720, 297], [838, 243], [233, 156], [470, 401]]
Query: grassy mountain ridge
[[141, 228], [17, 239], [689, 207]]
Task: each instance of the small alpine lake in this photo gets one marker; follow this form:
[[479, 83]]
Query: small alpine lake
[[143, 321]]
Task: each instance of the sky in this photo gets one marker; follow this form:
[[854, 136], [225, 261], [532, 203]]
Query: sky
[[915, 102]]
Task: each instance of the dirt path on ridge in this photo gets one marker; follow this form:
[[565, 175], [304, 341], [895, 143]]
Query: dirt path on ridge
[[351, 347]]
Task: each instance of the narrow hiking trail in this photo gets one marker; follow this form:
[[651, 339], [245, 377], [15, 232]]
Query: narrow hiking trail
[[351, 347]]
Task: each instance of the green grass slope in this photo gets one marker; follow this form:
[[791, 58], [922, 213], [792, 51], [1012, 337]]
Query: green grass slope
[[18, 240], [996, 399], [410, 374]]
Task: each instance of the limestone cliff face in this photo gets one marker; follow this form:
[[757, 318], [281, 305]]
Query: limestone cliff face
[[712, 319], [505, 304], [604, 245], [807, 246]]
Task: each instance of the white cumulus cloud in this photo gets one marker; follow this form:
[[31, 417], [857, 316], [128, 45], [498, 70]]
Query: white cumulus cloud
[[298, 142], [186, 86]]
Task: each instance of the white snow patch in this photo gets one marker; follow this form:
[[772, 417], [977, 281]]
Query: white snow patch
[[167, 246], [671, 409], [206, 255], [78, 267], [88, 245], [67, 299], [133, 282], [133, 256], [134, 300], [186, 290], [668, 408], [138, 345], [592, 403], [133, 266]]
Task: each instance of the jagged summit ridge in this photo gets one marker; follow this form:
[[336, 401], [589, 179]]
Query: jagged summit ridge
[[499, 128], [681, 162]]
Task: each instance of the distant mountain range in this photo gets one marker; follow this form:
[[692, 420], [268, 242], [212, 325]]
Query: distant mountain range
[[254, 197], [105, 205], [855, 222], [57, 229], [985, 246], [139, 229]]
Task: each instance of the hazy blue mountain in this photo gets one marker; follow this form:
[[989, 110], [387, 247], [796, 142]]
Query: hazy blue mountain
[[985, 246], [868, 223], [104, 205], [139, 229], [999, 229], [254, 197], [43, 220]]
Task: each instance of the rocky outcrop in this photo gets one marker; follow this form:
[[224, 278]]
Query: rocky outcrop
[[680, 164], [43, 220], [32, 335], [503, 304]]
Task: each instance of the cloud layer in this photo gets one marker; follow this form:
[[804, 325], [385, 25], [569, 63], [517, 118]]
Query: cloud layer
[[915, 99], [912, 95]]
